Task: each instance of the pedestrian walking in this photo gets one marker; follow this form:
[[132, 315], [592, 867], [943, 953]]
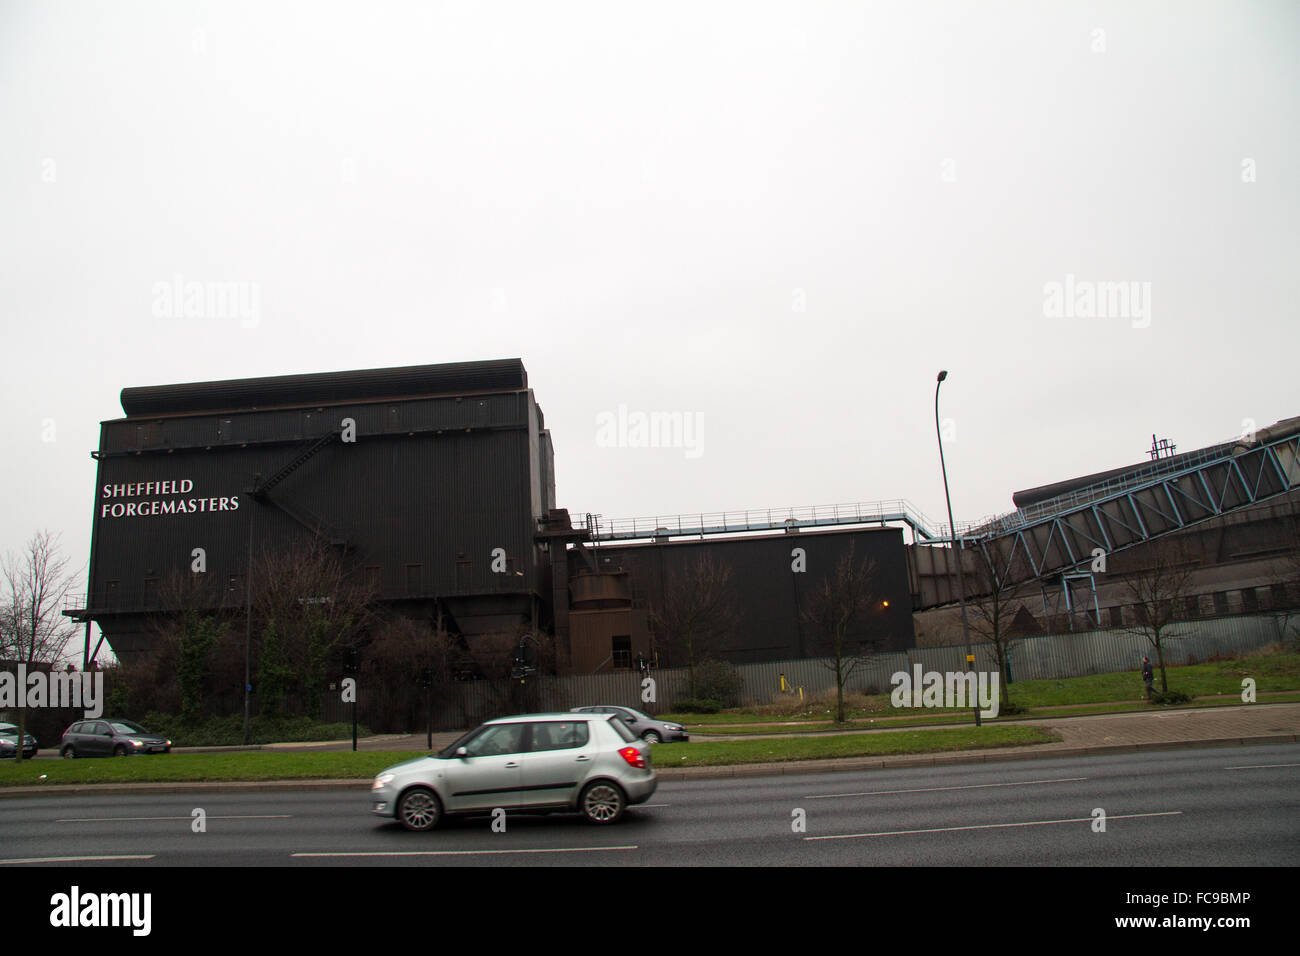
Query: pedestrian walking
[[1148, 676]]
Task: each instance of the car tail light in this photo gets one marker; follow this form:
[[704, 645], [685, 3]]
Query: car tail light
[[633, 757]]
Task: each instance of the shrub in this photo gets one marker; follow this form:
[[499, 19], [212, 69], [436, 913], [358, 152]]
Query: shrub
[[718, 680], [696, 705], [1172, 697], [1012, 708]]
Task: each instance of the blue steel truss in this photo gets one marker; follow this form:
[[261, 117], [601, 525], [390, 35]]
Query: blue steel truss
[[1054, 543]]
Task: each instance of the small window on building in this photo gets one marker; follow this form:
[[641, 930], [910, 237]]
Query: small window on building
[[1116, 616], [1192, 606], [1220, 602], [622, 650], [1279, 595], [1249, 599]]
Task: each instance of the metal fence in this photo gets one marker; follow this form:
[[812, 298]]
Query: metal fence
[[464, 704]]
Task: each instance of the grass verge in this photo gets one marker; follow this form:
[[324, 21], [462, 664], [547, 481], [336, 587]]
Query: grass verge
[[724, 753], [176, 768], [1271, 672], [951, 716]]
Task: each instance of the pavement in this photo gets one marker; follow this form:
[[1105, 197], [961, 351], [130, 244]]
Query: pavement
[[1248, 724]]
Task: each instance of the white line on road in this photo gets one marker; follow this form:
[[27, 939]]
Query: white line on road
[[262, 816], [568, 849], [647, 806], [1263, 766], [994, 826], [78, 859], [976, 786]]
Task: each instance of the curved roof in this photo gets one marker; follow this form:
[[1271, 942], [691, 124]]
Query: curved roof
[[324, 388]]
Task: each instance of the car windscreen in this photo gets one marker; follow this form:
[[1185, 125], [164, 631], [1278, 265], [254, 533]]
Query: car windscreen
[[451, 748], [622, 729], [126, 727]]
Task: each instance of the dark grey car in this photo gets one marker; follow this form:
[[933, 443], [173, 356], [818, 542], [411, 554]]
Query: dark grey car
[[648, 728], [110, 738]]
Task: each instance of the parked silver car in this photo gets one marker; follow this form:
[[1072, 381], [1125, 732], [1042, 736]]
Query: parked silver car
[[9, 742], [589, 763], [650, 729]]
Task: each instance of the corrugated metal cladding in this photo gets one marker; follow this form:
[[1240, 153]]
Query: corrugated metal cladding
[[326, 388], [770, 594], [422, 497]]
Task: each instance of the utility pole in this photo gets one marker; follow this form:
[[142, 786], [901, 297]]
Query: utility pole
[[952, 533]]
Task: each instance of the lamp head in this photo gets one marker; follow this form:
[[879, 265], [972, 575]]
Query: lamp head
[[943, 375]]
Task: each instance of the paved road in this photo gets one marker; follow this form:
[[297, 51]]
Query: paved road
[[1222, 806]]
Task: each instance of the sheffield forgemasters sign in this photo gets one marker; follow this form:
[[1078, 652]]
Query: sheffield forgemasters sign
[[159, 498]]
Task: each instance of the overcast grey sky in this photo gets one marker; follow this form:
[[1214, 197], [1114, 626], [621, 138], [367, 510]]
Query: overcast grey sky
[[780, 218]]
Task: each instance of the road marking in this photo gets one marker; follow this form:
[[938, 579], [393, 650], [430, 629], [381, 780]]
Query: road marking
[[976, 786], [78, 859], [1263, 766], [266, 816], [567, 849], [647, 806], [994, 826]]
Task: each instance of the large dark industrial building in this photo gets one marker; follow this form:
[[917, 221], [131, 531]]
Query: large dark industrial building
[[438, 484], [432, 479]]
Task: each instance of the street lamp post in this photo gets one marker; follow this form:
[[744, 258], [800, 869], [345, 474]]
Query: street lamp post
[[952, 532]]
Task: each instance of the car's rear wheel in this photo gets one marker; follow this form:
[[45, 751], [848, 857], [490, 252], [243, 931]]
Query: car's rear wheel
[[602, 802], [419, 809], [119, 751], [67, 753], [652, 737]]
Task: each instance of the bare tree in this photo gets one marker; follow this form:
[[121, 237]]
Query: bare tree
[[840, 611], [404, 655], [697, 612], [1286, 574], [186, 634], [1158, 594], [995, 606], [36, 585], [307, 605]]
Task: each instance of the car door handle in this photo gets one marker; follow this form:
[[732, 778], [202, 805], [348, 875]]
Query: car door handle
[[511, 765], [582, 758]]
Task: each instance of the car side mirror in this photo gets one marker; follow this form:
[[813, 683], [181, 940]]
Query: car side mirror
[[462, 752]]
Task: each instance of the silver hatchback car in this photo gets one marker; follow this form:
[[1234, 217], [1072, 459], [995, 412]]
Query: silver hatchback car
[[589, 763]]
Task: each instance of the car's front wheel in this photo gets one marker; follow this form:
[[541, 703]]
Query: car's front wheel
[[67, 753], [419, 809], [652, 737], [119, 751], [602, 802]]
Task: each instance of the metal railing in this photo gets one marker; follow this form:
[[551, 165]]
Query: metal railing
[[898, 511]]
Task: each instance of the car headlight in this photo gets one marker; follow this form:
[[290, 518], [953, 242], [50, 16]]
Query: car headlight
[[137, 743], [383, 780]]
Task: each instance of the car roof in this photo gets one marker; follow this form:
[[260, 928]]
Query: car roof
[[536, 718]]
